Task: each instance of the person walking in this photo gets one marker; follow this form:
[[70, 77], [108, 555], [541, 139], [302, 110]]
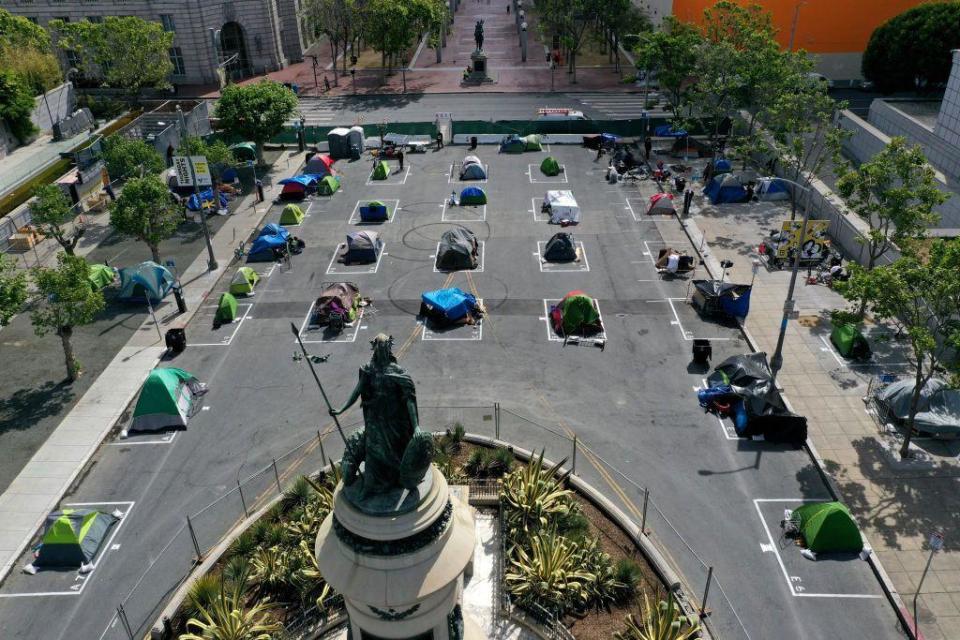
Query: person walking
[[400, 158], [508, 9], [259, 190], [439, 140], [647, 146]]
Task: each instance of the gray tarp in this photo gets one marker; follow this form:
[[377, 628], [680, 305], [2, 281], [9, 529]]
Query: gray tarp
[[458, 250], [938, 413]]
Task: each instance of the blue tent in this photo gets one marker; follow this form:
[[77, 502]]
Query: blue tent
[[667, 131], [721, 165], [206, 196], [607, 139], [513, 144], [374, 211], [146, 281], [472, 196], [271, 236], [725, 188], [448, 304], [772, 189], [305, 179]]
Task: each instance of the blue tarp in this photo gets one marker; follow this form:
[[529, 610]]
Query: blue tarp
[[206, 196], [271, 236], [452, 303], [667, 131], [374, 213], [738, 307], [306, 179], [147, 280]]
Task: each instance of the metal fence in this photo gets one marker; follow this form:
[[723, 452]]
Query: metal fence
[[202, 531]]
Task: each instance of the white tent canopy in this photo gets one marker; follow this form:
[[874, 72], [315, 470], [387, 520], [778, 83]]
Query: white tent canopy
[[562, 206], [471, 160]]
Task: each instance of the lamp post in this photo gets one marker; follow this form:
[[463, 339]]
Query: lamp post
[[403, 72], [936, 543], [316, 83], [353, 81], [776, 361]]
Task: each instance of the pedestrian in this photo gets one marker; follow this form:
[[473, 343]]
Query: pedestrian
[[599, 153], [326, 83], [508, 9], [109, 189], [259, 190], [400, 158], [647, 146], [439, 140]]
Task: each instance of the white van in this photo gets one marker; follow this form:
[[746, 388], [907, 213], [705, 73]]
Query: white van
[[560, 114]]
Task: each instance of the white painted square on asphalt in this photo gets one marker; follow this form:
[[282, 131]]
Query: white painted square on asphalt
[[463, 213], [582, 264], [339, 269], [316, 334], [536, 177], [460, 333], [552, 335], [392, 204]]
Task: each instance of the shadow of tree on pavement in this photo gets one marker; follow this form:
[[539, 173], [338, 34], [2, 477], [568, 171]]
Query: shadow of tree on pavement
[[25, 407]]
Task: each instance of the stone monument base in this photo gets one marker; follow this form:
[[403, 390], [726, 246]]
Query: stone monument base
[[478, 64], [401, 575]]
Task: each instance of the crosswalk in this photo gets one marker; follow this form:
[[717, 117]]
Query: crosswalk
[[319, 111], [613, 105]]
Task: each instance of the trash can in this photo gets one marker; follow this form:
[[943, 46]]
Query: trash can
[[680, 183], [702, 351], [176, 340], [473, 142]]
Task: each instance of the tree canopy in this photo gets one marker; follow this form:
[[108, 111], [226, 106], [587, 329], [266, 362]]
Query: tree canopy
[[26, 51], [52, 213], [129, 53], [16, 105], [145, 211], [671, 53], [13, 289], [129, 157], [256, 111], [915, 44]]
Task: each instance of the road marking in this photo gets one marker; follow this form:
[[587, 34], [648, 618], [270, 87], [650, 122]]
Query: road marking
[[563, 172], [228, 340], [347, 270], [463, 208]]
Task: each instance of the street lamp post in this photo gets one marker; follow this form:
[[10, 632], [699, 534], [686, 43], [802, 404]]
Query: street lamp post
[[936, 543], [211, 260], [776, 361], [316, 82], [403, 72], [353, 81]]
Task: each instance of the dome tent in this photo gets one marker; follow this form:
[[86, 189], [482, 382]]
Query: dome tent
[[661, 204], [449, 306], [244, 281], [328, 185], [337, 297], [362, 247], [168, 398], [296, 188], [472, 169], [550, 166], [244, 151], [725, 188], [292, 215], [72, 538], [560, 248], [320, 164], [458, 250], [226, 309], [381, 171], [271, 237], [472, 196], [101, 276], [532, 142], [146, 281], [827, 527], [576, 314], [849, 342], [771, 189], [512, 144]]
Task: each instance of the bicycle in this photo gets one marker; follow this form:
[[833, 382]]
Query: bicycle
[[239, 252]]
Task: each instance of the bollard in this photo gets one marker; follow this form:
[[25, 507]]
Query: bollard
[[246, 513], [496, 420], [574, 463], [643, 515], [193, 537], [706, 592], [276, 474], [323, 454]]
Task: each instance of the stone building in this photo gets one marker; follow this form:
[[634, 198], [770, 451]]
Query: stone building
[[255, 36]]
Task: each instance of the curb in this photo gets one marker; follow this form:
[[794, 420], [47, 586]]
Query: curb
[[893, 596]]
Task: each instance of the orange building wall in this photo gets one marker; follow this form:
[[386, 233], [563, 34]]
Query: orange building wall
[[824, 26]]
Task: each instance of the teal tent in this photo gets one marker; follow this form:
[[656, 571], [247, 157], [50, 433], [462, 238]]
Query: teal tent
[[167, 399]]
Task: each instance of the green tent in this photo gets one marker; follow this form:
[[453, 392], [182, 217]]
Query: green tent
[[328, 185], [244, 280], [532, 142], [849, 342], [292, 214], [166, 400], [226, 309], [550, 166], [827, 527], [381, 171], [375, 203], [72, 537], [576, 314], [101, 276], [244, 151]]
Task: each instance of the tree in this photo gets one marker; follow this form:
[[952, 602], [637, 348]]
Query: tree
[[671, 53], [802, 132], [68, 302], [13, 289], [569, 19], [924, 297], [895, 193], [338, 20], [129, 53], [392, 25], [25, 50], [129, 157], [145, 211], [914, 45], [16, 105], [256, 111], [53, 214]]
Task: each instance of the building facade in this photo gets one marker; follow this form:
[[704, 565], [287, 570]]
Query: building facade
[[244, 37], [835, 31]]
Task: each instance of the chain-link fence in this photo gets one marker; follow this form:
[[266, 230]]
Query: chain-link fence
[[202, 531]]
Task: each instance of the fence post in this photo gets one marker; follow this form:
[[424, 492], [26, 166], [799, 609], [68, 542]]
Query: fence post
[[706, 592], [122, 615], [643, 515], [496, 420], [193, 537], [574, 465], [276, 474], [246, 513], [323, 454]]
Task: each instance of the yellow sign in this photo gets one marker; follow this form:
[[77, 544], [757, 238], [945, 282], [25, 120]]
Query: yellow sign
[[815, 244]]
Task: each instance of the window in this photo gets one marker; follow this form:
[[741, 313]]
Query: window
[[95, 19], [167, 20], [176, 57]]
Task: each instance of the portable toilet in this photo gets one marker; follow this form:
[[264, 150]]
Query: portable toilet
[[355, 142], [338, 141]]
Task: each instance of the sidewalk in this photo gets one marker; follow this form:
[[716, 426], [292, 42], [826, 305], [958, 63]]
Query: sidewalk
[[897, 504], [53, 469], [25, 161]]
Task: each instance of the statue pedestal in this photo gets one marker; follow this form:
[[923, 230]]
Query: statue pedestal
[[478, 64], [401, 576]]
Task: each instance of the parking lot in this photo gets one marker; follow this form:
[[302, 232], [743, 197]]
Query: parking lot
[[632, 402]]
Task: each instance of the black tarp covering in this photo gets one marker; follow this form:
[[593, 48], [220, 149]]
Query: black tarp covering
[[458, 250], [560, 248]]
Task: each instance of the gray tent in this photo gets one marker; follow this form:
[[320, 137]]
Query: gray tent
[[362, 246], [458, 250], [938, 413], [72, 537], [472, 169]]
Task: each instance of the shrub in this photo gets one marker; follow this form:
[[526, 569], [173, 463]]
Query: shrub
[[629, 575], [550, 575], [203, 592], [663, 621], [533, 498]]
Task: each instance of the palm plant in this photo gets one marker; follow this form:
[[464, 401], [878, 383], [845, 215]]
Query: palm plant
[[549, 575], [533, 498], [661, 622], [226, 618]]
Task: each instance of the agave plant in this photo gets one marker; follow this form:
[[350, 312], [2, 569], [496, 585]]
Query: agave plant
[[226, 618], [661, 622], [308, 580], [603, 588], [203, 592], [549, 575], [533, 498], [272, 570]]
